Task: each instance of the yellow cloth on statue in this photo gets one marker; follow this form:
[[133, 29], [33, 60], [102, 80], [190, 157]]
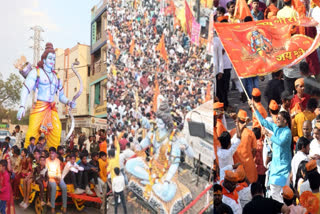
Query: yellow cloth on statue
[[44, 119]]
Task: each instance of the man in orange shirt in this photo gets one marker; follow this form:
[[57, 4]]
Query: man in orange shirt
[[256, 97], [216, 142], [103, 145], [307, 114], [246, 151], [218, 107]]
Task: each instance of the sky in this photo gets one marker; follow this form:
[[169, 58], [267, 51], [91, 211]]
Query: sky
[[65, 23]]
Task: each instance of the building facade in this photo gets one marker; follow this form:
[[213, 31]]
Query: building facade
[[98, 52], [71, 84]]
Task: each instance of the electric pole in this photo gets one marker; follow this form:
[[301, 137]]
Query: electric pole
[[36, 44]]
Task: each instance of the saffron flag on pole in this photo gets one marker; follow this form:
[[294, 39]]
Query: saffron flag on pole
[[262, 47], [162, 48], [189, 18], [242, 10], [111, 39], [195, 34]]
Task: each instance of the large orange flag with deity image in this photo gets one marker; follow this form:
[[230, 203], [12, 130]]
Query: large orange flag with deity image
[[262, 47]]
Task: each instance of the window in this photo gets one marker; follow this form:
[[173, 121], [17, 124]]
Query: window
[[97, 93], [89, 70], [75, 89], [88, 101]]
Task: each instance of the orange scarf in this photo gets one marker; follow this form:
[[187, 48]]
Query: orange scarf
[[233, 195], [241, 186]]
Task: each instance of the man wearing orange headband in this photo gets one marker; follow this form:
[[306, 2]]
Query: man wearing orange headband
[[300, 98], [230, 195], [243, 187], [313, 178], [256, 97], [246, 151], [273, 111], [218, 107], [288, 198]]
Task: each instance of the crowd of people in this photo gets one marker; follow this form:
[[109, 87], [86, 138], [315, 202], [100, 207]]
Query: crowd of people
[[271, 165]]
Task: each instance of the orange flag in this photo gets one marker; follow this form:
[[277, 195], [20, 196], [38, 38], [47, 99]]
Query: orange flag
[[208, 93], [111, 39], [131, 47], [189, 18], [240, 41], [299, 7], [162, 48], [241, 10], [173, 7]]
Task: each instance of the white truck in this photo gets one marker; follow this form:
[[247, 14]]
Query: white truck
[[198, 131]]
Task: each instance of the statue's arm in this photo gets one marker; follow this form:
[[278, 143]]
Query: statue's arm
[[145, 123], [146, 141], [175, 163], [27, 87], [62, 97]]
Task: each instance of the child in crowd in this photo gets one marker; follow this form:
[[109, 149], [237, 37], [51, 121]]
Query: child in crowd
[[60, 153], [37, 156], [32, 145], [41, 145], [54, 173], [27, 183], [70, 172], [95, 174], [5, 188], [103, 166], [86, 174], [41, 178], [22, 172], [118, 185], [15, 160]]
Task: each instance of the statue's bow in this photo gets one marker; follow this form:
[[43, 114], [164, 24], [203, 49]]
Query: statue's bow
[[74, 98]]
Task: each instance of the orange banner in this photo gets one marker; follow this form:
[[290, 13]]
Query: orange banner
[[189, 18], [262, 47]]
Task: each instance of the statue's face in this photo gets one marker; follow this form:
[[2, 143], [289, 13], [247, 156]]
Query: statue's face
[[50, 60], [160, 123]]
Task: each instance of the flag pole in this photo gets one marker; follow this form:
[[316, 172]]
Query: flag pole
[[252, 106]]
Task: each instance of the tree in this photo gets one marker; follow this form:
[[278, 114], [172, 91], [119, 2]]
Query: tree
[[10, 90]]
